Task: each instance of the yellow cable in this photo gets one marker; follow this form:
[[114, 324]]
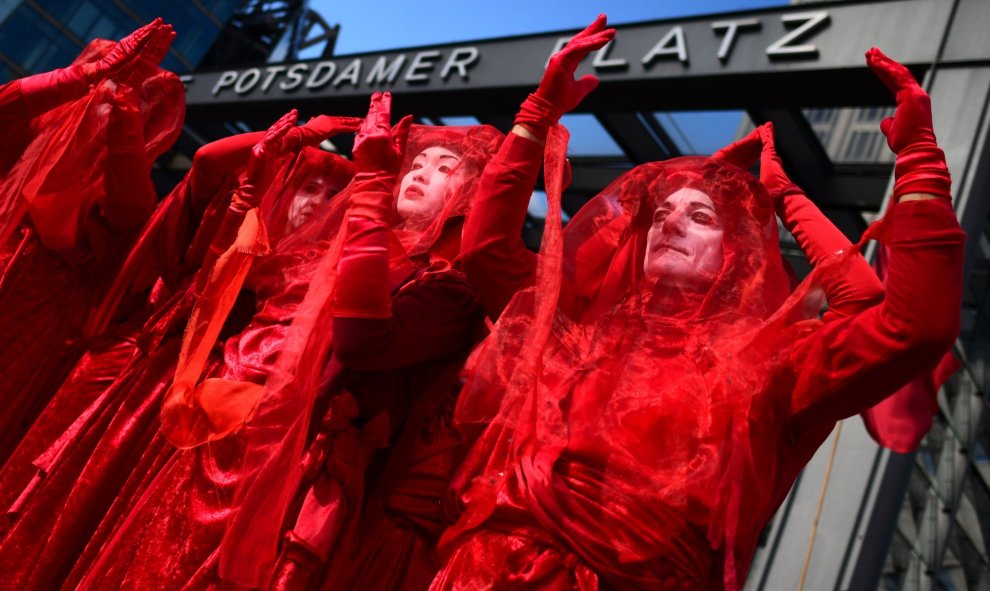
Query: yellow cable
[[818, 511]]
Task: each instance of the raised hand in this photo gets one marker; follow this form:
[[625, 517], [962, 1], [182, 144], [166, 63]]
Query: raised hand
[[912, 121], [742, 153], [920, 168], [318, 129], [126, 50], [558, 86], [148, 60], [261, 165], [376, 150], [772, 173], [559, 92]]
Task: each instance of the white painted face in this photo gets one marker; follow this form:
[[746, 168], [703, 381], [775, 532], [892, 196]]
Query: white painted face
[[434, 173], [684, 244], [313, 193]]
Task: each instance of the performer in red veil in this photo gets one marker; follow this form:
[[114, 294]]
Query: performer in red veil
[[396, 314], [639, 411], [71, 204], [267, 241], [98, 468]]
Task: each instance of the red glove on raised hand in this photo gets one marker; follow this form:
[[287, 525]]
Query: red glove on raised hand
[[318, 129], [920, 165], [126, 50], [261, 165], [146, 63], [742, 153], [378, 150], [559, 92], [772, 174]]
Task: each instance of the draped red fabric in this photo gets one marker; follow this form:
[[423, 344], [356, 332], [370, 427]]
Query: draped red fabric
[[636, 435], [187, 492], [98, 467], [304, 378], [194, 413], [901, 421], [69, 209]]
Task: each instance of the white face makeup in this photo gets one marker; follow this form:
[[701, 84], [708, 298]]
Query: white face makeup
[[435, 171], [307, 199], [684, 244]]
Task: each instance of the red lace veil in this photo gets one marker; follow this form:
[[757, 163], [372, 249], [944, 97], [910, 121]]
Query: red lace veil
[[277, 433], [617, 412], [60, 175]]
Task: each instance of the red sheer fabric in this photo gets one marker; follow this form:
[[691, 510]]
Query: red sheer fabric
[[68, 209], [388, 356], [900, 422], [633, 435], [188, 498], [98, 466]]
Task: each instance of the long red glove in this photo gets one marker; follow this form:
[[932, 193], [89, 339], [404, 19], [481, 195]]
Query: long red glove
[[125, 52], [363, 289], [920, 166], [195, 412], [146, 63], [819, 239], [130, 195], [559, 92], [261, 166], [44, 92], [378, 150], [742, 153], [318, 129]]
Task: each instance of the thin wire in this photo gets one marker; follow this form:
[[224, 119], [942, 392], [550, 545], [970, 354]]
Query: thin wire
[[818, 511]]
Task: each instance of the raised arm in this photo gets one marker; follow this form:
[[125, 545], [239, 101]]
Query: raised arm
[[22, 100], [433, 316], [854, 362], [129, 196], [495, 257], [819, 239]]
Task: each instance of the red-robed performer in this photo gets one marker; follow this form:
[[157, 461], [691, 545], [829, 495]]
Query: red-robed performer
[[374, 364], [178, 509], [640, 411], [99, 466], [76, 187]]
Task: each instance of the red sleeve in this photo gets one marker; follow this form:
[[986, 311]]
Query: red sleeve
[[851, 292], [219, 160], [495, 257], [854, 362], [22, 100], [433, 316], [130, 195]]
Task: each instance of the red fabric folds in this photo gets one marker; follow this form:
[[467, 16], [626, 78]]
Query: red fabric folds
[[305, 379], [642, 430]]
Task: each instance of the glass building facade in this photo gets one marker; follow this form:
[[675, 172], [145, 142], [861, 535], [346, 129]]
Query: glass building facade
[[40, 36]]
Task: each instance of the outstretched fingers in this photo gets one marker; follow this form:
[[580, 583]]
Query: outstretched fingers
[[580, 46], [280, 128], [894, 75]]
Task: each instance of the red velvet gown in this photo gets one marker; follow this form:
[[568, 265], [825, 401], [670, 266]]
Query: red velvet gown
[[85, 208], [173, 502], [647, 453], [75, 470], [362, 508]]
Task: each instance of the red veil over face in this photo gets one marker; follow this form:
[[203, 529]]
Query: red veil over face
[[615, 414], [279, 430], [60, 175]]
